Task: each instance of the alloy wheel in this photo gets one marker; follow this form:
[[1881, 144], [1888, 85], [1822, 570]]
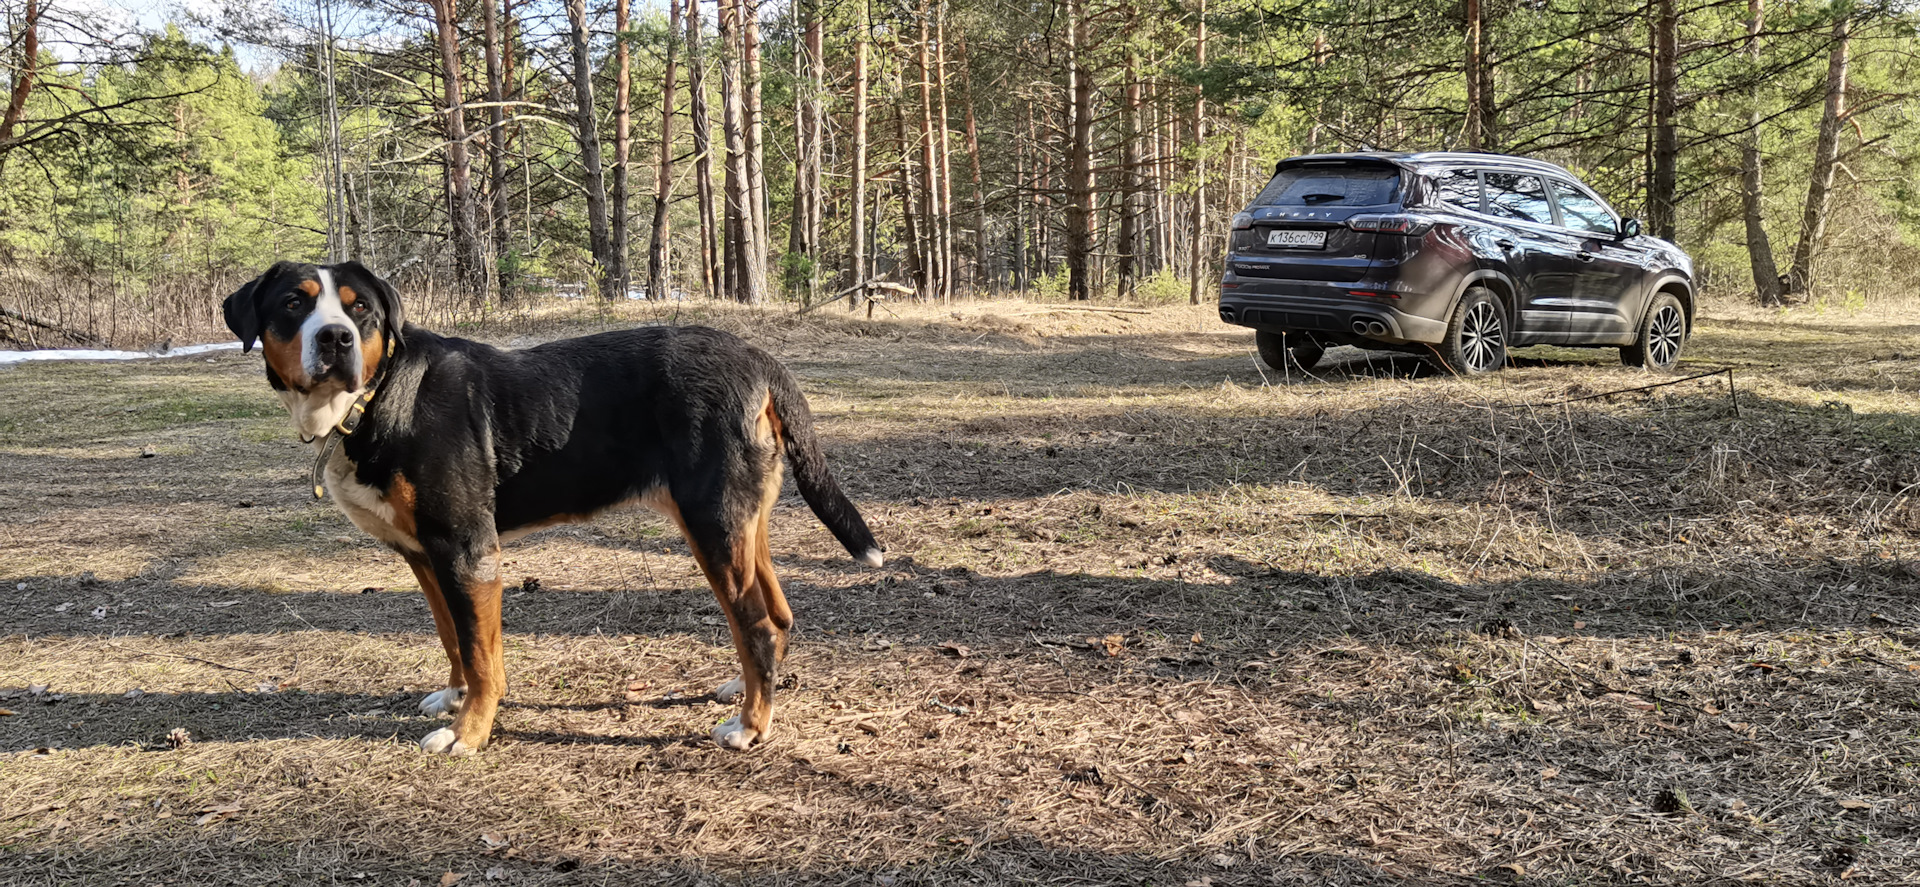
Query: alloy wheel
[[1665, 334], [1482, 340]]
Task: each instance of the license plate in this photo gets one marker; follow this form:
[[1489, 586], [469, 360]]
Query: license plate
[[1296, 238]]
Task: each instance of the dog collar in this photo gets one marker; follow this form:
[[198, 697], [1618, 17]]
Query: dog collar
[[348, 424]]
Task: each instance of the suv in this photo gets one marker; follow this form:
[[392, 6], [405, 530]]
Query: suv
[[1457, 257]]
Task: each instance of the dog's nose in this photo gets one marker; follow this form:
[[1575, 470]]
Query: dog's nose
[[334, 339]]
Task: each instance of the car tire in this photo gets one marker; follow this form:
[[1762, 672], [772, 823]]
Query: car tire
[[1284, 351], [1476, 339], [1662, 337]]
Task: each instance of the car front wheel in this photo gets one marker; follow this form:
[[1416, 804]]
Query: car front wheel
[[1476, 339], [1663, 335], [1282, 351]]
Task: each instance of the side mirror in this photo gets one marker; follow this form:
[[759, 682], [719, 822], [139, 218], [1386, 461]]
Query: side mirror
[[1628, 228]]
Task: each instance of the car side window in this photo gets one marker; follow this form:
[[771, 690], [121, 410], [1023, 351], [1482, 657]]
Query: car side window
[[1581, 212], [1516, 196], [1459, 187]]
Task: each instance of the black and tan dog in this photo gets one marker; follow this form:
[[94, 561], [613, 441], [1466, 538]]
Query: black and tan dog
[[443, 448]]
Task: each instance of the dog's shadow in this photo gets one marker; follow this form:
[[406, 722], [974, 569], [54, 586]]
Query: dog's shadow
[[160, 721]]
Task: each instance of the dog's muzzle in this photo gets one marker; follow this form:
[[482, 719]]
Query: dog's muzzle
[[336, 353]]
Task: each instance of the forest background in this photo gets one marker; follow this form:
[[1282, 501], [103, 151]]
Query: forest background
[[488, 153]]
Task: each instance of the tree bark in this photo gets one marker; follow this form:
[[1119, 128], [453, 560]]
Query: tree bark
[[929, 165], [1129, 238], [859, 233], [657, 258], [710, 273], [1475, 135], [945, 227], [1663, 178], [1079, 155], [27, 68], [910, 195], [1826, 155], [617, 268], [1766, 275], [497, 188], [756, 265], [592, 177], [982, 243], [746, 256], [469, 255], [1196, 264], [803, 232]]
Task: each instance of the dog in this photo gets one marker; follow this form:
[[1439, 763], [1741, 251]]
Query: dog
[[444, 448]]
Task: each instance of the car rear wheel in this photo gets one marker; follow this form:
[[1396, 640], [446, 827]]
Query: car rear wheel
[[1476, 339], [1663, 335], [1284, 351]]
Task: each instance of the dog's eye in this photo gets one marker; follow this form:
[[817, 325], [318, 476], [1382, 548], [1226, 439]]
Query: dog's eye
[[293, 302], [359, 307]]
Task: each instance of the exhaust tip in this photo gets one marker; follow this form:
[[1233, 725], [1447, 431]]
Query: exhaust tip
[[1377, 328], [1226, 314], [1360, 327]]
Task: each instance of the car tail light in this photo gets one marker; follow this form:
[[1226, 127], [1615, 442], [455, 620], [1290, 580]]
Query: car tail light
[[1391, 223], [1375, 294], [1241, 221]]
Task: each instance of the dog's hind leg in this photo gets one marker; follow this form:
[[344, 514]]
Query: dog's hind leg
[[728, 555], [446, 701], [766, 584]]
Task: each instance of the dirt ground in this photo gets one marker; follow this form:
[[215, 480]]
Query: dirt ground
[[1151, 615]]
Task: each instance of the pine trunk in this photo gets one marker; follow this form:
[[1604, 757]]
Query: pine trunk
[[592, 176], [657, 257], [1474, 137], [858, 235], [759, 245], [1129, 240], [1766, 275], [710, 274], [929, 207], [982, 270], [945, 153], [1663, 181], [469, 255], [1079, 156], [1196, 240], [497, 186], [1826, 155], [622, 150]]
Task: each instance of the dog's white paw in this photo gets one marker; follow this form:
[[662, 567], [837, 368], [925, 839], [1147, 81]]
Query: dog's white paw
[[445, 702], [734, 736], [729, 692], [443, 742]]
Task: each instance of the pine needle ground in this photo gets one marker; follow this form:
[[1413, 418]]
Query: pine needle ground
[[1153, 614]]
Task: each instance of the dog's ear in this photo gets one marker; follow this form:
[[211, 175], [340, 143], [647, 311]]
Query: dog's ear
[[395, 318], [243, 307]]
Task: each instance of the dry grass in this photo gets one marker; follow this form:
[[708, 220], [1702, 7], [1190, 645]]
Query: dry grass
[[1151, 616]]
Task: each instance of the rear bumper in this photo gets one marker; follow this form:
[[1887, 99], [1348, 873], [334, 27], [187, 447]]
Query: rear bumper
[[1316, 306]]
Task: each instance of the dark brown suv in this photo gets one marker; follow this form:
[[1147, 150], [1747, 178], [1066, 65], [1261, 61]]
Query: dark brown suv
[[1457, 257]]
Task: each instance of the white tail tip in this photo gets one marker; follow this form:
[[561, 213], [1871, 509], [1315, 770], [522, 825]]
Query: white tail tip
[[872, 558]]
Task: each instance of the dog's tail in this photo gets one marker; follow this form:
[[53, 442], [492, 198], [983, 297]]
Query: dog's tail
[[810, 471]]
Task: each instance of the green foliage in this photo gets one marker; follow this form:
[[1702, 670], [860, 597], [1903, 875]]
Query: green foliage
[[1162, 287], [188, 175]]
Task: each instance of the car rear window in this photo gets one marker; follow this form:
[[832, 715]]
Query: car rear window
[[1331, 186]]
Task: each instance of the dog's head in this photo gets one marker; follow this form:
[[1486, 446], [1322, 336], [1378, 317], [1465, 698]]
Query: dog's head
[[320, 326]]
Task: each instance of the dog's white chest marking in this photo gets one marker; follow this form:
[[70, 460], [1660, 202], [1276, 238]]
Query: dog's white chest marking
[[364, 505], [315, 414]]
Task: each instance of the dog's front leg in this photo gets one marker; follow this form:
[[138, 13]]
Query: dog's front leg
[[445, 701], [466, 567]]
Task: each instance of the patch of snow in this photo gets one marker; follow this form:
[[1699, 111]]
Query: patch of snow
[[7, 357]]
